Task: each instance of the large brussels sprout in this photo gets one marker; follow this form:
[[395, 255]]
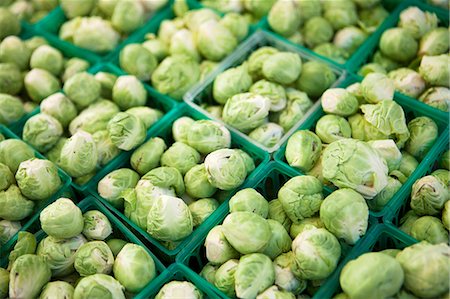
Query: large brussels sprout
[[14, 206], [377, 87], [434, 42], [349, 38], [14, 50], [60, 253], [301, 197], [113, 184], [94, 257], [47, 58], [100, 286], [28, 275], [382, 198], [13, 152], [106, 150], [331, 51], [407, 81], [257, 59], [428, 195], [218, 249], [181, 127], [231, 82], [42, 131], [225, 168], [40, 84], [268, 134], [282, 67], [166, 177], [74, 9], [284, 18], [207, 136], [224, 279], [147, 156], [129, 92], [82, 89], [303, 149], [79, 154], [316, 31], [94, 118], [330, 128], [60, 107], [430, 229], [214, 40], [96, 225], [126, 131], [236, 24], [423, 133], [426, 269], [127, 16], [280, 242], [398, 44], [26, 244], [197, 184], [57, 289], [315, 78], [345, 214], [176, 289], [316, 253], [247, 232], [249, 200], [273, 91], [169, 219], [436, 97], [372, 273], [254, 274], [101, 40], [194, 18], [417, 22], [339, 101], [12, 109], [202, 209], [180, 156], [62, 219]]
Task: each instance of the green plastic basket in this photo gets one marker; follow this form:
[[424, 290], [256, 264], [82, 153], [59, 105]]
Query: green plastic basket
[[276, 174], [165, 105], [119, 231], [412, 110], [164, 130], [202, 92], [380, 237], [64, 190]]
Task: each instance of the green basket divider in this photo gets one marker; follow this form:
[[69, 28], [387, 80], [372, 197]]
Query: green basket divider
[[64, 190], [411, 110], [274, 176], [202, 92], [119, 231], [177, 272], [164, 130]]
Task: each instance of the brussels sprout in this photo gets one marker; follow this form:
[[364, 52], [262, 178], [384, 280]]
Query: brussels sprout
[[382, 198], [224, 279], [194, 18], [148, 115], [11, 79], [60, 253], [181, 128], [47, 58], [297, 105], [94, 118], [277, 213], [218, 249], [331, 51], [280, 242], [316, 253], [127, 16], [202, 209], [268, 134], [126, 131], [377, 87], [434, 42], [303, 149], [254, 274], [225, 169], [82, 89], [134, 268], [182, 42], [407, 81], [9, 23], [231, 82], [428, 195], [55, 152], [372, 67], [147, 156], [129, 92], [14, 50], [273, 91], [13, 152], [433, 70], [26, 244], [28, 275], [74, 66], [385, 62], [417, 22], [12, 109], [197, 184], [436, 97], [176, 289], [103, 39], [315, 78], [257, 59], [332, 127], [284, 18], [57, 289], [42, 131], [307, 223], [282, 67], [94, 257], [339, 101], [79, 154], [107, 81], [249, 200], [96, 225], [206, 68], [398, 44], [206, 136], [349, 39], [214, 40], [389, 151], [40, 84], [74, 9], [99, 285], [60, 107], [383, 270], [236, 24], [425, 268], [340, 13], [106, 150], [208, 272], [35, 42], [4, 283], [284, 278], [301, 197], [135, 59], [55, 219], [168, 28], [175, 75], [14, 206], [38, 179], [424, 133], [316, 31], [6, 177], [430, 229], [180, 156], [166, 177]]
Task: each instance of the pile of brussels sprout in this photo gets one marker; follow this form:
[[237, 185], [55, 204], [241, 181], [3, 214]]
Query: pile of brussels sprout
[[284, 247], [417, 271], [78, 258], [102, 115], [415, 56], [99, 26], [25, 183], [179, 289], [184, 50], [269, 93], [172, 188], [364, 141], [252, 10], [31, 11], [30, 71], [334, 29]]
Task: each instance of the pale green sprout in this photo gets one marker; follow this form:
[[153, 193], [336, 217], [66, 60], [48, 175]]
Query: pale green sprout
[[180, 8], [254, 274], [398, 44], [197, 184], [177, 289], [42, 131], [236, 24], [180, 156], [280, 241], [12, 80], [218, 249], [55, 152], [268, 134], [202, 209], [9, 23], [106, 150], [377, 87], [284, 18], [225, 169], [434, 42], [127, 16], [349, 39], [149, 116], [303, 149], [208, 272], [331, 51], [166, 177], [137, 60], [282, 67], [96, 225], [231, 82], [183, 42], [273, 91], [417, 22], [74, 66], [436, 97], [385, 62], [428, 195], [6, 177], [330, 128], [82, 89], [12, 109], [62, 219], [207, 136], [167, 29], [13, 152], [134, 268], [257, 59], [277, 213], [14, 50], [60, 107], [424, 133], [316, 31], [94, 257], [340, 13], [94, 118], [249, 200], [8, 229], [248, 161], [40, 84], [284, 277], [14, 206], [35, 42], [126, 131], [214, 40], [74, 9], [371, 67], [116, 245], [47, 58], [107, 81], [382, 198], [181, 127], [305, 224], [147, 156], [434, 70], [315, 78], [129, 92], [383, 270], [100, 285], [297, 105], [195, 18], [389, 151], [79, 155], [407, 81], [339, 101], [57, 289], [430, 229], [103, 39], [224, 279]]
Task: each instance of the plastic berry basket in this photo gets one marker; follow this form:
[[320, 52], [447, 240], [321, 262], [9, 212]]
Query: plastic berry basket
[[276, 174], [64, 190], [164, 130], [412, 110], [119, 231], [202, 93]]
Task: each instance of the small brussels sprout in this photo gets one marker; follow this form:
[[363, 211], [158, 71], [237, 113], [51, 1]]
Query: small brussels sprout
[[105, 148], [236, 24], [316, 31], [284, 18], [129, 92], [181, 128], [385, 62], [6, 177], [315, 78], [407, 81], [14, 50], [14, 206], [127, 16], [231, 82], [42, 131], [9, 24], [94, 257], [301, 197], [202, 209], [372, 67], [208, 273], [214, 40], [225, 169], [303, 150], [194, 18], [280, 241], [433, 70], [331, 51], [79, 155], [339, 101], [408, 164], [166, 177], [428, 196], [103, 39], [176, 289], [94, 118], [12, 80], [430, 229], [136, 60], [47, 58], [273, 91], [169, 219], [74, 9], [148, 115], [282, 67], [383, 270], [40, 84], [248, 161], [147, 156], [126, 131], [35, 42], [340, 13], [377, 87], [426, 268], [257, 59], [60, 107], [13, 152], [389, 151], [54, 219], [436, 97], [249, 200], [330, 128], [175, 75], [57, 289], [218, 249], [277, 213], [182, 42], [417, 22], [82, 89], [107, 81], [197, 184], [398, 44], [74, 66], [12, 109], [101, 285], [424, 133], [434, 42], [224, 279], [180, 156], [284, 278], [351, 221], [349, 39], [28, 275], [157, 47], [316, 254], [207, 136], [168, 28], [134, 268], [96, 225], [307, 223], [116, 245], [254, 274], [268, 134], [297, 105]]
